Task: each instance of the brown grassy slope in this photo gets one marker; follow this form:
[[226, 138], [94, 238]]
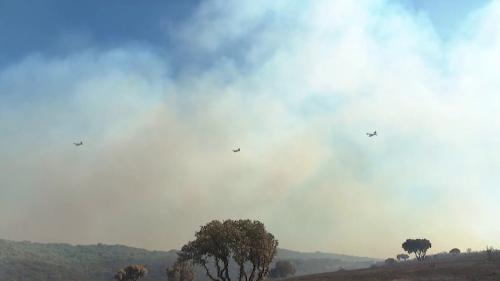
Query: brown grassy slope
[[462, 268]]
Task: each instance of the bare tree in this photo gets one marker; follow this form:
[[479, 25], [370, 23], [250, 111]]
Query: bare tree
[[246, 242]]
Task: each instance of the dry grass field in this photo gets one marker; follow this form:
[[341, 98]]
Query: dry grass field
[[471, 267]]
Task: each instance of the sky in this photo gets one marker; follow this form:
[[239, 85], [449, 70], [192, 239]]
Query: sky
[[161, 92]]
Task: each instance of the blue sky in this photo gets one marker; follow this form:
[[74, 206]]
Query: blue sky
[[58, 27], [161, 93], [446, 15]]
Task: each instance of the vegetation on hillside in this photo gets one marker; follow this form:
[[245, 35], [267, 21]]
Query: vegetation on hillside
[[27, 261], [402, 257], [180, 271], [131, 273], [282, 269], [443, 266], [418, 247]]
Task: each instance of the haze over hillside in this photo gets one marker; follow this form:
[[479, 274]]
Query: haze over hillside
[[27, 261]]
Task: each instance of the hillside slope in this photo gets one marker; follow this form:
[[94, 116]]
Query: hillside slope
[[473, 267], [26, 261]]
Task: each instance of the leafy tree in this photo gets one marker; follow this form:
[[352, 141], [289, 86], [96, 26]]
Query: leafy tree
[[131, 273], [180, 271], [390, 261], [402, 257], [282, 269], [246, 242], [455, 251], [418, 247]]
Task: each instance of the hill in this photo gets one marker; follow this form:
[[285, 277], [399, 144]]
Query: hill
[[27, 261], [289, 254], [465, 267]]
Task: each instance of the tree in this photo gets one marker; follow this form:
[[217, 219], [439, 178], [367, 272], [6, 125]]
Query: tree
[[417, 246], [489, 252], [455, 251], [390, 261], [402, 257], [131, 273], [246, 242], [180, 271], [282, 269]]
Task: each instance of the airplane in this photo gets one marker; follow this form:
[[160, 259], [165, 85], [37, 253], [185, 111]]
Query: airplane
[[372, 134], [78, 143], [236, 150]]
